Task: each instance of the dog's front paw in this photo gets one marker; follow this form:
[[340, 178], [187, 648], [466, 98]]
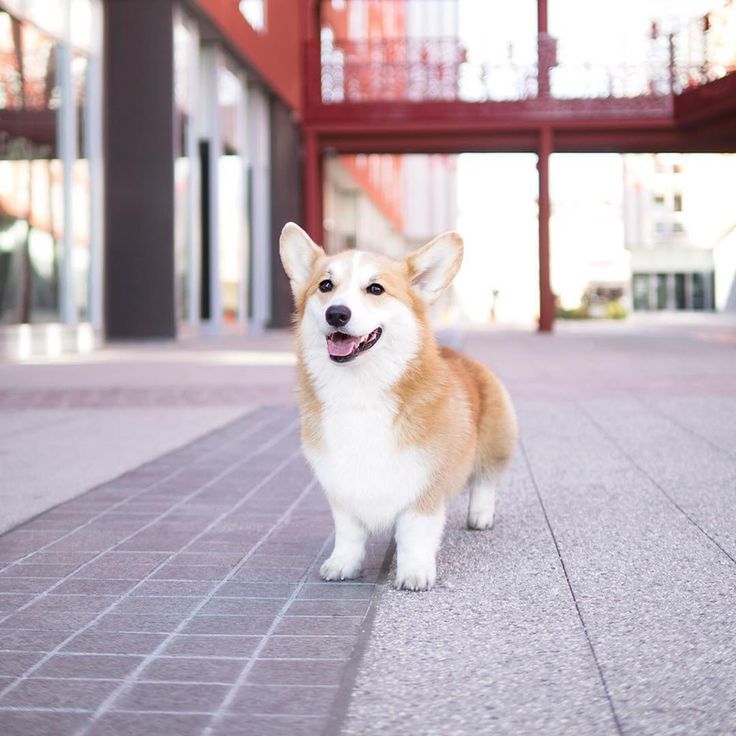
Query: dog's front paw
[[480, 519], [416, 578], [339, 568]]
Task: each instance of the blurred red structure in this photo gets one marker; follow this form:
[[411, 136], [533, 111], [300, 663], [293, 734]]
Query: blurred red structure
[[382, 86]]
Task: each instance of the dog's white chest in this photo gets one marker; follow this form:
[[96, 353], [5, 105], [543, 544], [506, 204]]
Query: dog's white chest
[[361, 465]]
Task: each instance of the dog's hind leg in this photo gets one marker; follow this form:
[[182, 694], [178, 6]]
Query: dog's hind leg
[[482, 506], [497, 434]]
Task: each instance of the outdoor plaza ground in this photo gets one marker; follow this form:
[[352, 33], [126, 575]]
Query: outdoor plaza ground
[[158, 570]]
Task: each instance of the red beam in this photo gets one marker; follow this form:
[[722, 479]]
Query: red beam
[[708, 102]]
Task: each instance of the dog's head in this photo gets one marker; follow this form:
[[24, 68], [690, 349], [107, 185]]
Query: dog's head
[[363, 308]]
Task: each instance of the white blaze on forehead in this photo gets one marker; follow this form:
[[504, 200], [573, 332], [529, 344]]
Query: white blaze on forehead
[[347, 273]]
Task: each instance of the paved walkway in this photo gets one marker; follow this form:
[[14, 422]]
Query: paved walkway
[[72, 422], [182, 596]]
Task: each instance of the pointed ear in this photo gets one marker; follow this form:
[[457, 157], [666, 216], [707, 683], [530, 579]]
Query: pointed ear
[[298, 254], [433, 267]]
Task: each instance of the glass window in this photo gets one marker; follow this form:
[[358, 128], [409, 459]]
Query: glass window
[[680, 299], [698, 291], [640, 288], [661, 291], [49, 130], [31, 196], [232, 203]]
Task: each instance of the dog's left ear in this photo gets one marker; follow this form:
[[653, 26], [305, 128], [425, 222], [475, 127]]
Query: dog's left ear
[[433, 266], [298, 254]]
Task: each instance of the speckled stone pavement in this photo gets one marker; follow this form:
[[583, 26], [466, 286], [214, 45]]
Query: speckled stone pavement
[[604, 600], [182, 597]]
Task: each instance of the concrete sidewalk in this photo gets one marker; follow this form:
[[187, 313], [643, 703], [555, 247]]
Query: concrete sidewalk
[[71, 422], [603, 599], [182, 596]]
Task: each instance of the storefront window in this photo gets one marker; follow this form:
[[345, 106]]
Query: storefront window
[[232, 204], [31, 216], [47, 127]]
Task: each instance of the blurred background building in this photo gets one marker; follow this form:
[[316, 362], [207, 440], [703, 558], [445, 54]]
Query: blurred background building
[[151, 150]]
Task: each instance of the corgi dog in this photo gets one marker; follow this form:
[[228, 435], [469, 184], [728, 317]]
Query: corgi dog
[[393, 425]]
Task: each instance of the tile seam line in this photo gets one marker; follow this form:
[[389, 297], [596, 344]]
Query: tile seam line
[[116, 505], [96, 618], [649, 404], [49, 591], [655, 483], [130, 679], [604, 684], [341, 703]]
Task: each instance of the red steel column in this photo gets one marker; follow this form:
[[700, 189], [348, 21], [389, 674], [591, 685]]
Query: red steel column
[[546, 299], [313, 187], [543, 50]]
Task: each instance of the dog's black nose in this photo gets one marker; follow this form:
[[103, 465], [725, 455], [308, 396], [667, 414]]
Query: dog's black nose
[[337, 315]]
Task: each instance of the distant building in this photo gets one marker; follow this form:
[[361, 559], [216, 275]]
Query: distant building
[[679, 221]]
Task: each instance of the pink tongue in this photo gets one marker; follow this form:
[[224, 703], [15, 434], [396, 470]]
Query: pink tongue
[[342, 347]]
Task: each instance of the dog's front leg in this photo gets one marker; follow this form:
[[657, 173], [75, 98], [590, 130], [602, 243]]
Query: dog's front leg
[[417, 541], [346, 560]]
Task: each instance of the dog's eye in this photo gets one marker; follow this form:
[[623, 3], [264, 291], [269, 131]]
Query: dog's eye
[[325, 285], [375, 289]]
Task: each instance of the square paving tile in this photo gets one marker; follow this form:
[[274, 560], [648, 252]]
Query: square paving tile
[[89, 666], [149, 724], [183, 669], [283, 700], [296, 672], [25, 723], [165, 696], [241, 725], [58, 693], [211, 646], [95, 641]]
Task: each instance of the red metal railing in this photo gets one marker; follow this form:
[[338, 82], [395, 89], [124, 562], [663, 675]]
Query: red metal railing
[[441, 69]]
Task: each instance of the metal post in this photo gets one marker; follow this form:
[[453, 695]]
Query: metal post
[[546, 298], [95, 153], [672, 69], [67, 153], [260, 146]]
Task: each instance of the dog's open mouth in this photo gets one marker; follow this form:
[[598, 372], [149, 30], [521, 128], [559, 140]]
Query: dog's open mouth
[[344, 348]]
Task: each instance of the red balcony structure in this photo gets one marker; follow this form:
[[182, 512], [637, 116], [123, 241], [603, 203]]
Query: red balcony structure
[[408, 94]]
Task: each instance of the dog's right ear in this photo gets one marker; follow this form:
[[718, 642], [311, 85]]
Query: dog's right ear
[[298, 254]]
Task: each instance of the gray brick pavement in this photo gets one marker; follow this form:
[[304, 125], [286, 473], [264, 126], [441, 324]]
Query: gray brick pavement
[[182, 597]]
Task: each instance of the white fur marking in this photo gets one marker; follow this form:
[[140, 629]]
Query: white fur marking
[[418, 538], [482, 506], [346, 559]]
